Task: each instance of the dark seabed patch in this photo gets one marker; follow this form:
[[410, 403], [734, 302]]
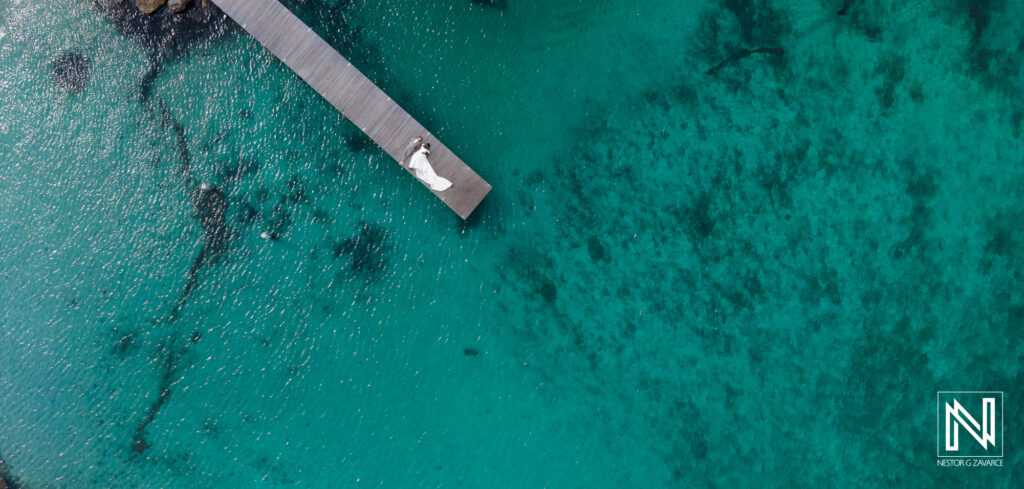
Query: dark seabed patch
[[125, 342], [996, 58], [358, 141], [247, 214], [70, 72], [845, 8], [280, 220], [210, 203], [744, 53], [7, 480], [495, 4], [164, 34], [170, 358], [237, 170], [211, 207], [738, 30], [167, 119], [753, 238], [365, 251]]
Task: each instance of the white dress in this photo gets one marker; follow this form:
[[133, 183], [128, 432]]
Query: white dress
[[421, 167]]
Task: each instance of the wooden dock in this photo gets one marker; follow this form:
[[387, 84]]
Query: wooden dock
[[358, 98]]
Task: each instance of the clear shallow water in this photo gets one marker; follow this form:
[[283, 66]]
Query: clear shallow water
[[756, 277]]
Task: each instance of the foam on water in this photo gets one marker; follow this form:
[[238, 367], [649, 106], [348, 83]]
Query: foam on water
[[729, 244]]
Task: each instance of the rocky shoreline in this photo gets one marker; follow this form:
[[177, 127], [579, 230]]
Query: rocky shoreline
[[164, 33], [150, 6]]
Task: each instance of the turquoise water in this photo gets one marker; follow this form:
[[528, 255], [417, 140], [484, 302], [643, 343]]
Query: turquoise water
[[700, 265]]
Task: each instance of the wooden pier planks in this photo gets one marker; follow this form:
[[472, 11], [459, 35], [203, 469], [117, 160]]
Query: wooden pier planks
[[352, 93]]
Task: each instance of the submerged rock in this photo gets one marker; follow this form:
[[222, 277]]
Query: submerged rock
[[177, 5], [366, 251], [7, 481], [71, 72], [165, 34], [498, 4], [149, 6], [211, 208]]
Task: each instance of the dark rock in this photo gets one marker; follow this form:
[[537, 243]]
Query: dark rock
[[170, 368], [7, 481], [125, 343], [470, 352], [140, 445], [495, 4], [71, 72], [548, 291], [237, 170], [596, 249], [247, 214], [744, 53], [280, 221], [164, 33], [211, 207], [366, 250], [297, 191]]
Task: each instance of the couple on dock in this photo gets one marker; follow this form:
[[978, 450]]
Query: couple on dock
[[415, 157]]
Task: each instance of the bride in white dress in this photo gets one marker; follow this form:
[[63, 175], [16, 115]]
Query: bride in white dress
[[421, 167]]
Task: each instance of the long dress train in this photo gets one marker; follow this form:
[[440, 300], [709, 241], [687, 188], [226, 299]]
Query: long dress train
[[421, 167]]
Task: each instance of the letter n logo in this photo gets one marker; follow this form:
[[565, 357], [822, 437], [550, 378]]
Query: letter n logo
[[977, 414]]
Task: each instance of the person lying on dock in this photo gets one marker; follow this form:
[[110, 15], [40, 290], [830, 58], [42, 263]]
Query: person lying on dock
[[421, 167], [410, 148]]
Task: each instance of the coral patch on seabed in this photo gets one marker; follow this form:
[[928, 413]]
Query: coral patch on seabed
[[170, 358], [366, 251], [70, 72], [798, 199]]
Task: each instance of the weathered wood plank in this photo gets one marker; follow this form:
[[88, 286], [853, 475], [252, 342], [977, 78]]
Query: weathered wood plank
[[352, 93]]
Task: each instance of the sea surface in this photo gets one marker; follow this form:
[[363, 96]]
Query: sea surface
[[731, 244]]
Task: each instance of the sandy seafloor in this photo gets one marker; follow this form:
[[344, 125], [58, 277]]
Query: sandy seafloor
[[696, 268]]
